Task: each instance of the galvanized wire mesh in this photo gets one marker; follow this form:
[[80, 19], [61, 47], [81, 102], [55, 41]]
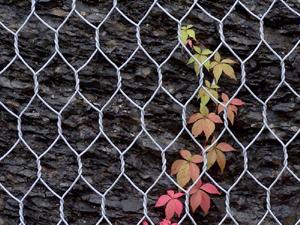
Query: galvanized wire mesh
[[144, 131]]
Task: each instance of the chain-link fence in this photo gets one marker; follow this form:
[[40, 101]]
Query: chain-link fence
[[95, 97]]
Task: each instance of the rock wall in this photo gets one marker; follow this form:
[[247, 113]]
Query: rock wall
[[98, 80]]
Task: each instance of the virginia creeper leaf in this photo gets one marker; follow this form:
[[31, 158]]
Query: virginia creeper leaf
[[173, 205]]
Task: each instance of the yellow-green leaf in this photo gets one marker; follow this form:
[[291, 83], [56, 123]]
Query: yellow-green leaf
[[221, 160], [202, 59], [217, 71], [204, 110], [191, 60], [228, 70], [197, 68], [183, 36], [211, 158], [197, 49], [217, 57], [206, 52], [191, 33]]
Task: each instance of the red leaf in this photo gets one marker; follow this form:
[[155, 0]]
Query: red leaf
[[205, 202], [174, 206], [165, 222], [224, 147], [170, 193], [214, 118], [145, 222], [195, 200], [162, 200], [179, 207], [210, 188], [178, 195], [237, 102]]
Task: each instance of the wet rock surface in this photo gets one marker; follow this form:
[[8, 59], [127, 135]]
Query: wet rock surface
[[98, 82]]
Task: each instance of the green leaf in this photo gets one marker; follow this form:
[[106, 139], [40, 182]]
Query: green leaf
[[202, 59], [204, 110], [205, 99], [206, 51], [183, 36], [215, 94], [191, 33], [197, 68], [197, 49], [191, 60], [189, 26]]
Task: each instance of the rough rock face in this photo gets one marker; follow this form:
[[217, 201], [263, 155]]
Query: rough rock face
[[98, 80]]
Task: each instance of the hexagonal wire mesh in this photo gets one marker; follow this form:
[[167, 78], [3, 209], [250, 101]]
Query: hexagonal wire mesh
[[118, 92]]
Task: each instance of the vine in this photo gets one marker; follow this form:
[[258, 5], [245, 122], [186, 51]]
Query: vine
[[203, 124]]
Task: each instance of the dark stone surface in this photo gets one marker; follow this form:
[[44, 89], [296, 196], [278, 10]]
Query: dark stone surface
[[121, 119]]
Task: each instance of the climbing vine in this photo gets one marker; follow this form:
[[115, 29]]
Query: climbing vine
[[203, 123]]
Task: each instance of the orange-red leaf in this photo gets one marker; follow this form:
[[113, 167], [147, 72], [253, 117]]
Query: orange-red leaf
[[195, 200], [205, 202], [197, 127], [194, 171], [210, 188], [193, 118], [225, 147], [237, 102], [215, 118], [208, 127], [197, 159], [176, 166], [185, 154], [224, 97], [230, 115]]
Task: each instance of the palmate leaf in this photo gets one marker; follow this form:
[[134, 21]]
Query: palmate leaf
[[203, 94], [186, 169], [172, 205], [201, 56], [216, 154], [187, 32], [231, 108], [222, 66], [204, 122], [200, 198], [166, 222]]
